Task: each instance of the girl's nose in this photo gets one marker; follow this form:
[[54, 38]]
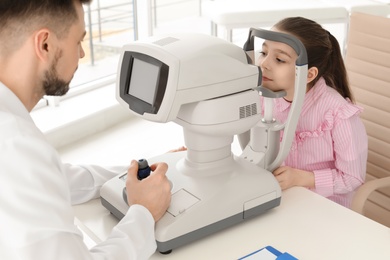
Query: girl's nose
[[263, 63]]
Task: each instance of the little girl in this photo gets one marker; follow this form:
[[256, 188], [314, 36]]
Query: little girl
[[329, 151]]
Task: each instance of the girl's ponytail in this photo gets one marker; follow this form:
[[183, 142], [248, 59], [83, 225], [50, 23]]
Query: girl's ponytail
[[336, 75]]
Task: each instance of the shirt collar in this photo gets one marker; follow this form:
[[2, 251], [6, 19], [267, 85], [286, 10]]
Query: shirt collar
[[313, 94], [310, 97], [11, 103], [282, 104]]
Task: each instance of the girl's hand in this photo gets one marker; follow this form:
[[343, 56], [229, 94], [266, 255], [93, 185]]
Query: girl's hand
[[289, 177], [180, 149]]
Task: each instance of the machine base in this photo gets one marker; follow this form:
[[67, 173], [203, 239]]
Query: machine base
[[204, 200], [166, 247]]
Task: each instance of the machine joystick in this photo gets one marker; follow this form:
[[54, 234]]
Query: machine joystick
[[143, 169], [143, 172]]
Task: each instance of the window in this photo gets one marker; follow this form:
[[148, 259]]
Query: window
[[90, 105], [112, 23]]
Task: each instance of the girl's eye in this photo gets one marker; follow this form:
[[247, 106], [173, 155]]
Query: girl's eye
[[279, 60], [262, 53]]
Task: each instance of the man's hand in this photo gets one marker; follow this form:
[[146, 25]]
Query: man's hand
[[289, 177], [153, 192]]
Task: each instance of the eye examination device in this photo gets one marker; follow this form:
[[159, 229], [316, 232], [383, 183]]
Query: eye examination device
[[212, 89]]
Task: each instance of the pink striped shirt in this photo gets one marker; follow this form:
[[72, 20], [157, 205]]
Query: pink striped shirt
[[330, 140]]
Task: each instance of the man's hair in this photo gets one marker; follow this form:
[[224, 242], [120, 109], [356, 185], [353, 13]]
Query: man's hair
[[19, 17]]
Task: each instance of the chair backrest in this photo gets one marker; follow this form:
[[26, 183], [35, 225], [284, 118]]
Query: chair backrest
[[368, 65]]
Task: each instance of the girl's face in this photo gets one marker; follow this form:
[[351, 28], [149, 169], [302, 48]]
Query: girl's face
[[277, 63]]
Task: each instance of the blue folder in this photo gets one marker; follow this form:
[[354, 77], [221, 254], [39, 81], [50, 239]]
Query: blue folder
[[279, 255]]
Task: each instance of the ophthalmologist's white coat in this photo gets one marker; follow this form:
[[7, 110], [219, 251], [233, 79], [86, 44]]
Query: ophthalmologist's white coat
[[37, 192]]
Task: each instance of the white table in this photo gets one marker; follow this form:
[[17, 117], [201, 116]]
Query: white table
[[306, 225]]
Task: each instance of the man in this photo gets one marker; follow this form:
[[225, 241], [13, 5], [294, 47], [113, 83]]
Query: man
[[40, 48]]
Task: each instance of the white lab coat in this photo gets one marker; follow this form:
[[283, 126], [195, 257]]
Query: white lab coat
[[37, 192]]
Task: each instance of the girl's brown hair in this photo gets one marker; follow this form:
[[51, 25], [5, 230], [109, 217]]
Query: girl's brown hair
[[323, 52]]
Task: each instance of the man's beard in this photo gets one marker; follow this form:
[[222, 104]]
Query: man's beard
[[52, 84]]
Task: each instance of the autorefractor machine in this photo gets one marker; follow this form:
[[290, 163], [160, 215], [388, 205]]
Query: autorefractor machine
[[212, 89]]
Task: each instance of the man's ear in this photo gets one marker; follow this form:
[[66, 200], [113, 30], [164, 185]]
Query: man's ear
[[42, 44], [311, 74]]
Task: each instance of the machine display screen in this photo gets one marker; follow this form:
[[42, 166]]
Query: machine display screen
[[144, 79]]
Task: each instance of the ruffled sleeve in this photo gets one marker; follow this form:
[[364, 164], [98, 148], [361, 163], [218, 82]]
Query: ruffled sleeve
[[350, 154], [347, 110], [332, 117]]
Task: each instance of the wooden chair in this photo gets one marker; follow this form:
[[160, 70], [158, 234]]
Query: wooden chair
[[368, 65]]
